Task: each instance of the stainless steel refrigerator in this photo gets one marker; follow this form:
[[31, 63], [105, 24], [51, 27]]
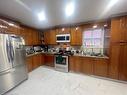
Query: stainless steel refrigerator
[[12, 62]]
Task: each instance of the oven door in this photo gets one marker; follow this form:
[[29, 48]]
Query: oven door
[[61, 63]]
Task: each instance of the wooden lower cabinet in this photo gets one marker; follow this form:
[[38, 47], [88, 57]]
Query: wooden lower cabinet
[[88, 65], [34, 62], [75, 64], [123, 63], [100, 67], [118, 62], [81, 64], [49, 60], [37, 61], [29, 62]]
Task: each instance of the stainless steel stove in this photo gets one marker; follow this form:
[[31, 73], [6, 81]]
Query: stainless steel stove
[[61, 63]]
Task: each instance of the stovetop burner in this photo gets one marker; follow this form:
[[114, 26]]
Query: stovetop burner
[[65, 53]]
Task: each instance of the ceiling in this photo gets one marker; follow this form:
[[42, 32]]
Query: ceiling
[[26, 11]]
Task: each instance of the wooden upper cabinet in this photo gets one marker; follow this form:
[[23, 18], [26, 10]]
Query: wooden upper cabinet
[[53, 37], [63, 30], [35, 38], [50, 37], [118, 29], [76, 36], [46, 37], [100, 67]]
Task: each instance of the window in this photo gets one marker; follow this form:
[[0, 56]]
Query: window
[[93, 38]]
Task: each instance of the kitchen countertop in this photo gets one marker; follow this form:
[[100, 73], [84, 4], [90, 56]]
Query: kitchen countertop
[[80, 55], [36, 53]]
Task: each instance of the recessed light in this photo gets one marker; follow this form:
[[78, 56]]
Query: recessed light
[[105, 25], [69, 9], [112, 3], [95, 26], [41, 16], [63, 29], [76, 28], [11, 24]]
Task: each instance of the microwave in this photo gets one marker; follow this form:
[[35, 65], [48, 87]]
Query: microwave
[[63, 38]]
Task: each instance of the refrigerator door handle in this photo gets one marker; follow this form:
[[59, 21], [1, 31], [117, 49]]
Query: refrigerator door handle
[[11, 52], [8, 50], [5, 72]]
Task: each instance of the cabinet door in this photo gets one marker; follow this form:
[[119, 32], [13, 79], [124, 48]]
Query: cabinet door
[[76, 36], [114, 61], [37, 61], [123, 62], [71, 63], [46, 37], [49, 60], [52, 37], [79, 36], [117, 31], [75, 64], [125, 29], [87, 65], [100, 67], [73, 36], [35, 39], [29, 62]]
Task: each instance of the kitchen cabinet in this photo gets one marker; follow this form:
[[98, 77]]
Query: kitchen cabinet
[[118, 52], [30, 35], [118, 64], [9, 29], [37, 61], [34, 62], [114, 61], [123, 62], [75, 64], [35, 37], [76, 36], [100, 67], [87, 65], [49, 60], [119, 29], [81, 65], [64, 30], [29, 63], [50, 37]]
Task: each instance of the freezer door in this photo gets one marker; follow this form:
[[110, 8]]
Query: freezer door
[[12, 78], [18, 53], [5, 60]]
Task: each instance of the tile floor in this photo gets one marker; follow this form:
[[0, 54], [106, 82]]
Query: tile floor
[[45, 81]]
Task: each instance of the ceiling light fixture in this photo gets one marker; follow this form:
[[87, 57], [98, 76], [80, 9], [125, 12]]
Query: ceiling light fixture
[[69, 9], [63, 29], [41, 16], [11, 24], [109, 6], [76, 28], [105, 25], [95, 26]]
